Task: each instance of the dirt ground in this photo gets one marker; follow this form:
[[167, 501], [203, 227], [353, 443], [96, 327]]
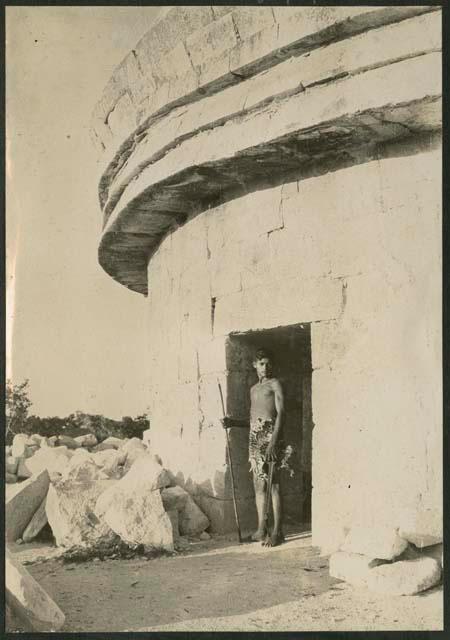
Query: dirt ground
[[219, 585]]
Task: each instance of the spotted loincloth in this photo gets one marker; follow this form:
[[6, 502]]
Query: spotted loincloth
[[260, 435]]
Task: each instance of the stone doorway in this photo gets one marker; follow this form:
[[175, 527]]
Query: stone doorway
[[291, 348]]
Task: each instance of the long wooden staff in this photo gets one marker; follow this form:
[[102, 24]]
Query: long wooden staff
[[231, 468]]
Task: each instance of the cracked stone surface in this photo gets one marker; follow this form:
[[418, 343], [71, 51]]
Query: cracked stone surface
[[295, 106]]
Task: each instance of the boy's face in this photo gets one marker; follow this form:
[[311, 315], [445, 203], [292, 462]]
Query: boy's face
[[263, 367]]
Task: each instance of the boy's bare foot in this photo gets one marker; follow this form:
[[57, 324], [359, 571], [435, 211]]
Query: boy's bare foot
[[273, 539], [258, 536]]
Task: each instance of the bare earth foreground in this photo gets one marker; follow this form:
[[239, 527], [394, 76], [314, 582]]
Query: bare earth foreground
[[219, 585]]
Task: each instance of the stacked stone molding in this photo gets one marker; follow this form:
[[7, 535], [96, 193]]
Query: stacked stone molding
[[331, 84], [265, 168]]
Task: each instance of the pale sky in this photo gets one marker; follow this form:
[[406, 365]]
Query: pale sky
[[76, 334]]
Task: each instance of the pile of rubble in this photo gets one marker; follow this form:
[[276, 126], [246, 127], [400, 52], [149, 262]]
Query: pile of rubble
[[403, 560], [91, 495], [89, 492]]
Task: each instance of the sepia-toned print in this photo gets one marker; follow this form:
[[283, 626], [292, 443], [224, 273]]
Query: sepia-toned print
[[224, 281]]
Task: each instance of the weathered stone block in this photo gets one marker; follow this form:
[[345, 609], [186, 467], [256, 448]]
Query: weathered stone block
[[192, 520], [212, 356], [134, 449], [352, 567], [70, 443], [174, 498], [21, 506], [27, 600], [11, 464], [37, 522], [84, 469], [146, 438], [10, 478], [133, 508], [214, 39], [23, 470], [420, 526], [19, 445], [144, 472], [174, 518], [381, 543], [54, 459], [122, 118], [117, 443], [87, 440], [245, 57], [70, 512], [250, 20], [404, 578]]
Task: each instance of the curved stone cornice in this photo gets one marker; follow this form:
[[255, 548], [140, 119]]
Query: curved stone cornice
[[280, 119]]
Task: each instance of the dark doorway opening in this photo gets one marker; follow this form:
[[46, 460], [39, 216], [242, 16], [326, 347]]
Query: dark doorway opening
[[291, 349]]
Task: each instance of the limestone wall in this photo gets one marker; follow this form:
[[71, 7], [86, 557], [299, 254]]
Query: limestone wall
[[332, 80], [356, 253], [271, 167]]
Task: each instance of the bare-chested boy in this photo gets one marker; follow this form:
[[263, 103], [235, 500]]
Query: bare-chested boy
[[266, 419]]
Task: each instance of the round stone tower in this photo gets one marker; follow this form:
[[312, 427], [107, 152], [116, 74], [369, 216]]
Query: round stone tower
[[271, 175]]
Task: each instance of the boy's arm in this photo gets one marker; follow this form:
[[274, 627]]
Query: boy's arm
[[228, 422], [279, 406]]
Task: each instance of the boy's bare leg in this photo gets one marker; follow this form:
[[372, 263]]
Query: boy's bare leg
[[260, 496], [276, 536]]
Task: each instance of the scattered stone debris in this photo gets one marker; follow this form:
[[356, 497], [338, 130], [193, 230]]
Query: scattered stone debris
[[114, 549], [92, 494], [402, 561]]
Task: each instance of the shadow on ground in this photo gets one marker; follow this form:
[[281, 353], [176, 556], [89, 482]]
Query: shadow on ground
[[218, 579]]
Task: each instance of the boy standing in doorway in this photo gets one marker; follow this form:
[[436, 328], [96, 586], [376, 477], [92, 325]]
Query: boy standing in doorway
[[265, 444]]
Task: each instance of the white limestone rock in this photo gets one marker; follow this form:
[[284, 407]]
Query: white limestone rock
[[116, 443], [87, 440], [36, 524], [30, 450], [145, 472], [19, 445], [82, 469], [435, 551], [70, 443], [134, 448], [174, 521], [133, 507], [101, 446], [352, 567], [405, 577], [11, 464], [81, 454], [52, 440], [375, 542], [28, 601], [192, 520], [54, 459], [22, 504], [146, 438], [174, 498], [70, 512], [38, 439], [23, 470], [140, 518], [422, 527], [111, 462]]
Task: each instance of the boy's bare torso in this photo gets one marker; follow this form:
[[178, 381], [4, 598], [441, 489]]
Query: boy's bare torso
[[262, 396]]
